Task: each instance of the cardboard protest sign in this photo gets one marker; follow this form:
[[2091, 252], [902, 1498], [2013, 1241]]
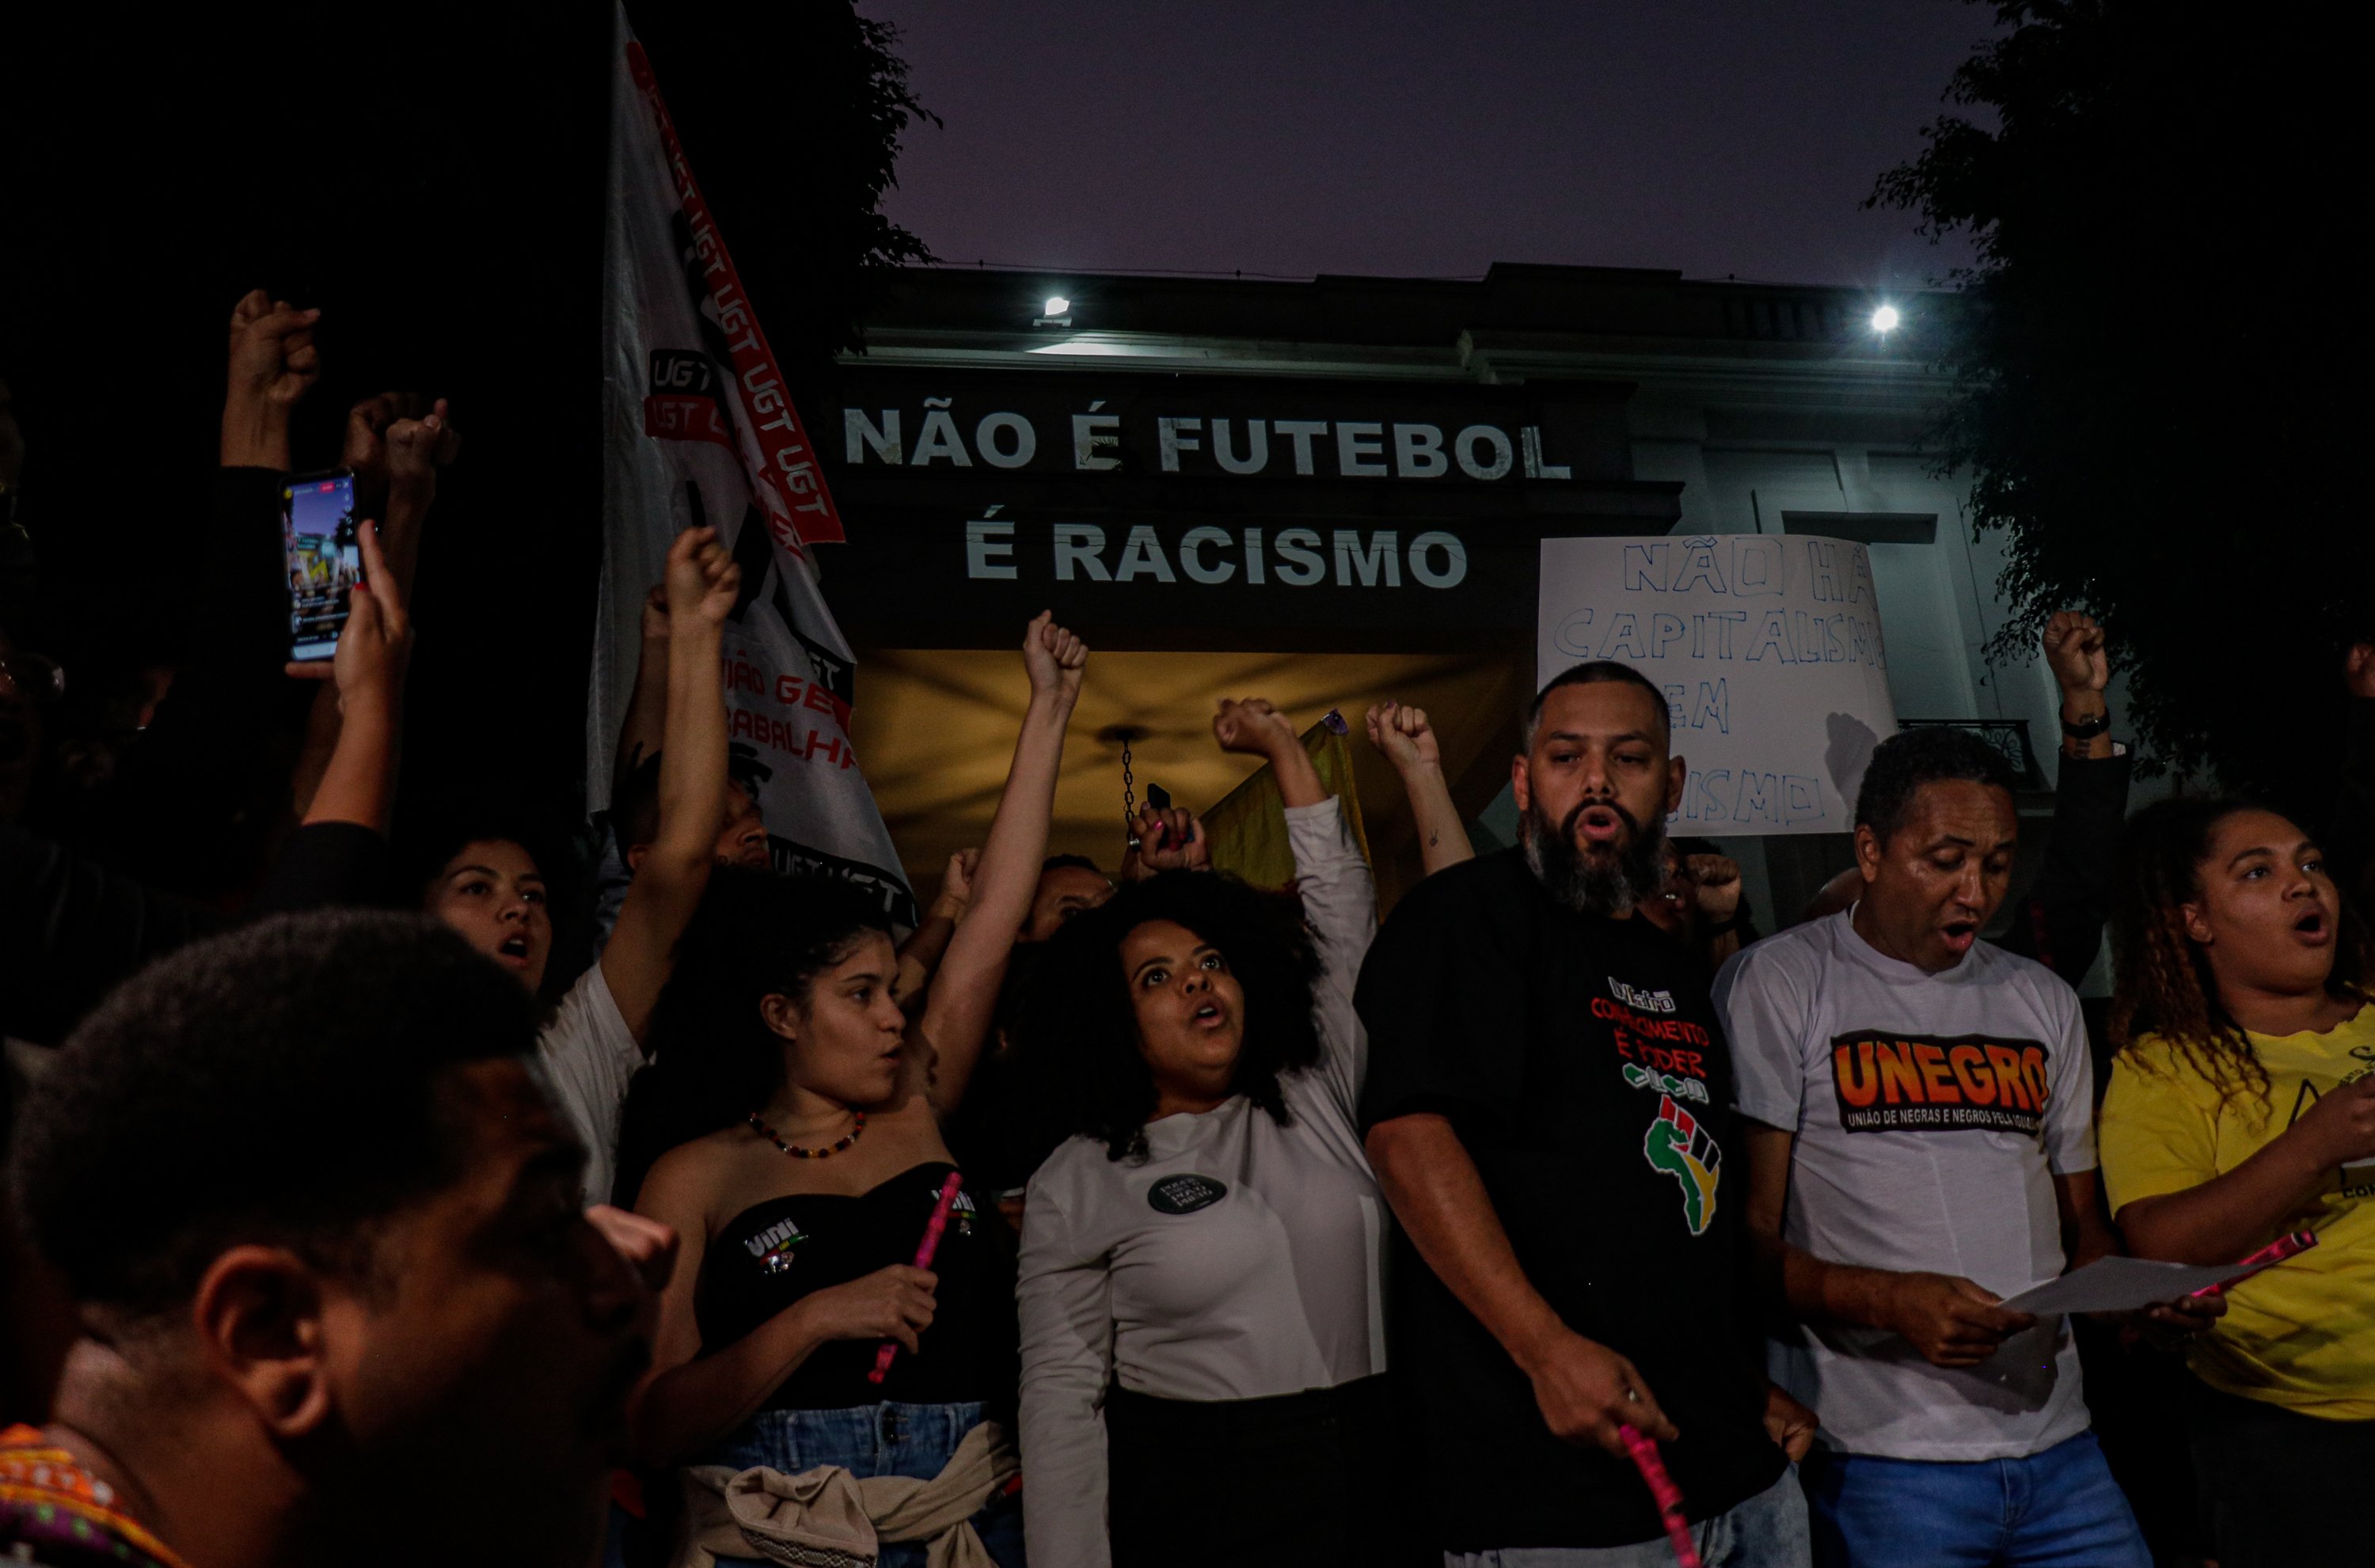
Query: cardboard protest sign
[[1767, 647], [700, 430]]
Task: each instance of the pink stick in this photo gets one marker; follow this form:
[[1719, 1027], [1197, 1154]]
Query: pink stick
[[1669, 1496], [2268, 1257], [930, 1245]]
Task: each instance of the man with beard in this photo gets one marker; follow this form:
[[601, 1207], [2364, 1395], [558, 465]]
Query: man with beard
[[340, 1303], [1548, 1110]]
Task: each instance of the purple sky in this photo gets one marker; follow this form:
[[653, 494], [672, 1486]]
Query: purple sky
[[1296, 137]]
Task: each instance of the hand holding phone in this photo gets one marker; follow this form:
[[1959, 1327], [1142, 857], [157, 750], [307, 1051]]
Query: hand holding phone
[[375, 645], [324, 554]]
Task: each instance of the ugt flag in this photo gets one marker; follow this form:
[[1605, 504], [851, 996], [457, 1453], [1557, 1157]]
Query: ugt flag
[[700, 432]]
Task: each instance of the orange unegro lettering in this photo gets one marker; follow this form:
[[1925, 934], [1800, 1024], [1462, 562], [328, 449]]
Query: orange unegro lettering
[[2011, 1089], [1937, 1080], [1939, 1084], [1898, 1080], [1970, 1065], [1859, 1085], [2032, 1069]]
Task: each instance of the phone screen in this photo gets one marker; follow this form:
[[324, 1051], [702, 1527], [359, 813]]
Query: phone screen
[[317, 523]]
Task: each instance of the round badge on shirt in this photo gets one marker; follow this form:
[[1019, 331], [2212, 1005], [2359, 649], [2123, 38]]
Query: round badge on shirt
[[1185, 1195]]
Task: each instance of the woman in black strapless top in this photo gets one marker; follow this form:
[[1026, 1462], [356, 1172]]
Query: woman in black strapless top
[[800, 1115], [771, 1254]]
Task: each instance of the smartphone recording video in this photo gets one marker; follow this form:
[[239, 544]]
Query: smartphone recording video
[[317, 522]]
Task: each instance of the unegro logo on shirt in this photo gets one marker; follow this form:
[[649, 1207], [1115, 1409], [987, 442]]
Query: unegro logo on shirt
[[1941, 1083]]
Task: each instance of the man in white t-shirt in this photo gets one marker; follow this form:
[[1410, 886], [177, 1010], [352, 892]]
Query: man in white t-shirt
[[1920, 1144]]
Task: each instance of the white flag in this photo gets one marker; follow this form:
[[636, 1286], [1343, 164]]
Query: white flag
[[699, 431]]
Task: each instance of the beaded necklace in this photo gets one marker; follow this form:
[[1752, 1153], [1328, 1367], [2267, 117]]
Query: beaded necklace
[[796, 1151]]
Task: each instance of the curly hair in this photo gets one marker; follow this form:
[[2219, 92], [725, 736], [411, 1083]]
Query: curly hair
[[2164, 985], [1910, 759], [1076, 1036], [714, 1059]]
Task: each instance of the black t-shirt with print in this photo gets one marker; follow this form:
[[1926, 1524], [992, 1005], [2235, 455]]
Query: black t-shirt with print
[[1582, 1066]]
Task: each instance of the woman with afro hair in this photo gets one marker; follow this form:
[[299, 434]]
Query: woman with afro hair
[[1199, 1270], [2241, 1107]]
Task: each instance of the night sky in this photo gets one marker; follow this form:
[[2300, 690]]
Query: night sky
[[1716, 136]]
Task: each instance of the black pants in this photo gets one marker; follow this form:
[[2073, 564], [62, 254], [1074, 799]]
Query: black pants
[[1313, 1479], [2279, 1487]]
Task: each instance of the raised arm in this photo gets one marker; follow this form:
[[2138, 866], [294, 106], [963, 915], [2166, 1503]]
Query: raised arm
[[1724, 919], [2060, 923], [358, 783], [945, 1041], [640, 732], [1583, 1389], [702, 582], [1251, 726], [2349, 837], [1340, 895], [1408, 740], [192, 797], [920, 954], [273, 365], [395, 456], [396, 442]]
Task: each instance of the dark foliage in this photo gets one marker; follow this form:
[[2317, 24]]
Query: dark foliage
[[793, 115], [2150, 353]]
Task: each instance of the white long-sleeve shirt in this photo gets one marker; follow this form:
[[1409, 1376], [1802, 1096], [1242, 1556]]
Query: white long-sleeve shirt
[[1240, 1260]]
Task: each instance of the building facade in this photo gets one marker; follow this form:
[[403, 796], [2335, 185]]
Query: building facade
[[1340, 485]]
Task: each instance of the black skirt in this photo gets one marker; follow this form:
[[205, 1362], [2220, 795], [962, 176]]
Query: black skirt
[[1316, 1478]]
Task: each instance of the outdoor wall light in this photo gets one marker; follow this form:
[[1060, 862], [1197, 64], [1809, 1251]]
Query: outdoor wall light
[[1885, 319]]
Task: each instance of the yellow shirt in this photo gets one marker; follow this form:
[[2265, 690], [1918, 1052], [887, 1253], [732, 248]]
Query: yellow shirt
[[2302, 1334]]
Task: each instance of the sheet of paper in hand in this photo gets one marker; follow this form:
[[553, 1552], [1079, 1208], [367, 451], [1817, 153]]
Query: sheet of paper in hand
[[2122, 1284]]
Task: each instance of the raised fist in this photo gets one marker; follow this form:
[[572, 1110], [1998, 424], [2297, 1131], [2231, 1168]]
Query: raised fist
[[1250, 725], [956, 885], [272, 353], [1402, 733], [1054, 657], [2358, 669], [1717, 879], [703, 581], [2073, 647]]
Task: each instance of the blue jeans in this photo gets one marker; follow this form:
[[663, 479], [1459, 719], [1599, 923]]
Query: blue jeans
[[2058, 1509], [874, 1440], [1766, 1531]]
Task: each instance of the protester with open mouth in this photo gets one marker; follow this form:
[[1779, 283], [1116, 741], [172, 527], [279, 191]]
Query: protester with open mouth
[[798, 1114], [2241, 1107], [487, 882], [1549, 1110], [1920, 1145], [1200, 1279]]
